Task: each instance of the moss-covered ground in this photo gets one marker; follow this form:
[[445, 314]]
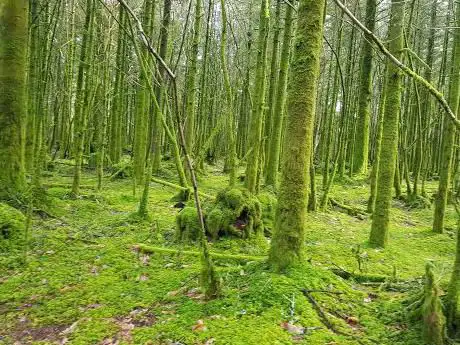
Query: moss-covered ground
[[85, 283]]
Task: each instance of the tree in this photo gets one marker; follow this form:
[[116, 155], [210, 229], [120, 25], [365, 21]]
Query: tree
[[360, 159], [388, 152], [256, 125], [83, 95], [13, 103], [280, 102], [448, 134], [288, 238]]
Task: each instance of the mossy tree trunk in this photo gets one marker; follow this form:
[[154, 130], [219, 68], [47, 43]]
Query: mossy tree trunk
[[190, 83], [361, 148], [143, 113], [280, 102], [13, 102], [255, 136], [269, 112], [229, 110], [288, 238], [448, 132], [82, 98], [154, 150], [388, 152], [116, 143]]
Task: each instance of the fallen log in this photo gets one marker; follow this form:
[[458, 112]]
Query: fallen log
[[352, 211], [142, 248]]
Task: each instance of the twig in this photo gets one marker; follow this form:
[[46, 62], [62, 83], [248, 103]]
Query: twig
[[325, 320]]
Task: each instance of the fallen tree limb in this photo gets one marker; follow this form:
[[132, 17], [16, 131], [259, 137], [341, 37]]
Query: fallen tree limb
[[360, 278], [409, 72], [142, 248], [119, 171], [325, 320], [176, 186], [352, 211], [64, 185]]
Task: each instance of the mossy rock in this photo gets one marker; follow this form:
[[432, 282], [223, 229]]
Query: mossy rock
[[12, 225]]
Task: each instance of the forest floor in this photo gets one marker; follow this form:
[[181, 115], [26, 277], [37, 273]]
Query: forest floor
[[85, 282]]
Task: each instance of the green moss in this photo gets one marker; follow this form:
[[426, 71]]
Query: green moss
[[12, 226], [188, 225], [240, 213], [81, 266], [268, 204]]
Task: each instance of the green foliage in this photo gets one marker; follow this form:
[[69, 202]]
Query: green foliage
[[12, 226], [268, 203]]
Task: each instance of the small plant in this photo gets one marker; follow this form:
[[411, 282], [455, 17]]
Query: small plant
[[362, 258]]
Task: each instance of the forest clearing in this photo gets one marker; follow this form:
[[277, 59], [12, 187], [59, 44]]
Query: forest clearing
[[206, 172]]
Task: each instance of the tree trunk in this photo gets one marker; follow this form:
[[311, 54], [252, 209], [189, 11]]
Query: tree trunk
[[288, 238], [13, 103], [388, 152]]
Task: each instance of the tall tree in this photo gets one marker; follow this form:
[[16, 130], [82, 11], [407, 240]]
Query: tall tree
[[83, 95], [190, 87], [13, 103], [360, 159], [252, 169], [229, 111], [388, 151], [448, 133], [273, 157], [288, 238]]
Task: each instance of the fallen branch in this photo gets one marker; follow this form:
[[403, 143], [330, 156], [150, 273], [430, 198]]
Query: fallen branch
[[325, 320], [359, 278], [142, 248], [64, 185], [119, 171], [325, 291], [352, 211]]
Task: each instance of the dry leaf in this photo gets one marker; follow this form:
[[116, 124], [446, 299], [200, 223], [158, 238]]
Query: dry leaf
[[199, 327], [293, 329]]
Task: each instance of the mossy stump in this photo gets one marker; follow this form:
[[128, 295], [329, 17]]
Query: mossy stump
[[434, 321], [235, 212], [12, 226]]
